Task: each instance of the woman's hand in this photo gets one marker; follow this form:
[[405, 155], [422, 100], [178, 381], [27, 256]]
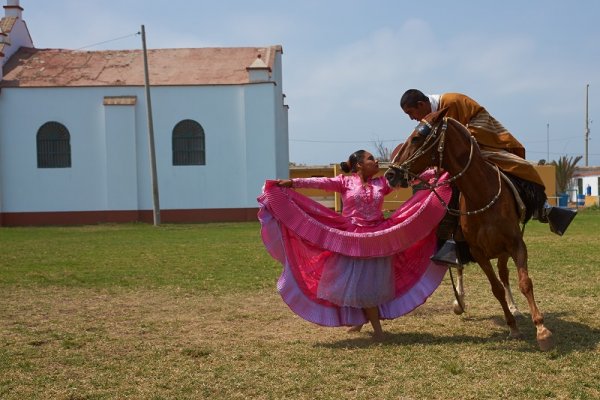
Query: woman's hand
[[285, 183]]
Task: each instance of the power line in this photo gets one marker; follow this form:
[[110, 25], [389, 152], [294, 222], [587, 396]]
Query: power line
[[110, 40], [552, 140], [554, 153], [344, 141]]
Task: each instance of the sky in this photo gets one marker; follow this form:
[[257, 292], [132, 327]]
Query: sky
[[346, 63]]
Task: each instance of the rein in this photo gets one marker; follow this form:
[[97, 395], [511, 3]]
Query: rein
[[424, 149]]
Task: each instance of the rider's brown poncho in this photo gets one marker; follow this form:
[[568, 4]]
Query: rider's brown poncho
[[498, 145]]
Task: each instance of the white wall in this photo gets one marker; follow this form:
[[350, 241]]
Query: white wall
[[120, 167], [261, 150], [109, 148], [589, 180], [28, 188], [282, 151], [219, 183]]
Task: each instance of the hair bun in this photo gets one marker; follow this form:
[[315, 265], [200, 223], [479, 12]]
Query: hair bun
[[345, 166]]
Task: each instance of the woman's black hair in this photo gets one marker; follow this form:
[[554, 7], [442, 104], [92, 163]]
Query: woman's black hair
[[353, 160], [411, 97]]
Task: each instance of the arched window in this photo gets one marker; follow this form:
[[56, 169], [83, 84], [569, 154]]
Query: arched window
[[188, 143], [53, 146]]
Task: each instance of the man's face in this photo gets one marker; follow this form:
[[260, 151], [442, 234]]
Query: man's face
[[419, 112]]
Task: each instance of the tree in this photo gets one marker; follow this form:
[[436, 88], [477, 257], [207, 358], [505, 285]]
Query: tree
[[383, 153], [565, 168]]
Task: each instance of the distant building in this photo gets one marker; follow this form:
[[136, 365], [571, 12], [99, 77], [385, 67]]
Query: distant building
[[74, 132], [587, 179]]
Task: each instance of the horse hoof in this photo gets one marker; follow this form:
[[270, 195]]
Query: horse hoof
[[517, 335], [516, 313], [457, 308], [545, 340]]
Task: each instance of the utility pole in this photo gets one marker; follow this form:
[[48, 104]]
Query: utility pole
[[548, 143], [587, 124], [155, 197]]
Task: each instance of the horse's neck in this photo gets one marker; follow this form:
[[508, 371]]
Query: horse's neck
[[478, 182]]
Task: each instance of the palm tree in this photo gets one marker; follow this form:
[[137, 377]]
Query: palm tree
[[565, 168]]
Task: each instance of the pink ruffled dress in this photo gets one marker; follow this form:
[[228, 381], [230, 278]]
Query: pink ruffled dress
[[336, 264]]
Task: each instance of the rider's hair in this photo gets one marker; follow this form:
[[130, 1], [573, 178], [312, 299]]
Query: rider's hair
[[353, 160], [411, 97]]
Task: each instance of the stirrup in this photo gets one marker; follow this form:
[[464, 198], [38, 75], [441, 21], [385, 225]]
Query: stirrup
[[447, 254], [559, 219]]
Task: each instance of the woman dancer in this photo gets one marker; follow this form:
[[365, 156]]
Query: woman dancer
[[358, 266]]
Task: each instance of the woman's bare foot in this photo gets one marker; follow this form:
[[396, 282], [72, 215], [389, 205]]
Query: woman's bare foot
[[378, 336], [355, 329]]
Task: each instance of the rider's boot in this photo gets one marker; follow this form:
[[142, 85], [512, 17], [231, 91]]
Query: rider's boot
[[558, 218], [447, 254]]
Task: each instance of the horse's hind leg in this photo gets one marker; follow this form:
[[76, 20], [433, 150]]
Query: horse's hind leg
[[498, 290], [459, 303], [543, 336], [503, 274]]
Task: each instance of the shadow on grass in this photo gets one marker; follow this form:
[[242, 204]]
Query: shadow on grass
[[408, 339], [569, 336]]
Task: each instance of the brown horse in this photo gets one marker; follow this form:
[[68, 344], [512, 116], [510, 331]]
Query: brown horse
[[488, 214]]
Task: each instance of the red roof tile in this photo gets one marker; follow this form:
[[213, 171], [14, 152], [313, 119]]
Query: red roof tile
[[30, 67]]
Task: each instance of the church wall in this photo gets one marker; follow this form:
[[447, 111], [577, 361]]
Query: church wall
[[120, 167], [282, 152], [219, 183], [110, 168], [28, 188], [260, 152], [19, 37]]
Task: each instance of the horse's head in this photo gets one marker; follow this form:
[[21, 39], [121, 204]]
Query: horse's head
[[418, 151]]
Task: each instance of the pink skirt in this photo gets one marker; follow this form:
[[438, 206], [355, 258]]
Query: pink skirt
[[332, 269]]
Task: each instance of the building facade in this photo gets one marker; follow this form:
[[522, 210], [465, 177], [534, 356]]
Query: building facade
[[74, 142]]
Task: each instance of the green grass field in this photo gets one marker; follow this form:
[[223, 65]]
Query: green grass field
[[191, 312]]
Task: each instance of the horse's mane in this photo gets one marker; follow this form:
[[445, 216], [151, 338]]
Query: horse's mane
[[532, 194]]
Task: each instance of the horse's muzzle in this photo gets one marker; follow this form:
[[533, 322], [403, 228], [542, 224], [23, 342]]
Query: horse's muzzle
[[396, 177]]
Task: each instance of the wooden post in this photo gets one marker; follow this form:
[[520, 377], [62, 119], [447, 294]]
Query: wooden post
[[155, 197]]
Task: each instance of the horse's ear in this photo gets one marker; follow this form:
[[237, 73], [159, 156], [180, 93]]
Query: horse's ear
[[443, 111], [395, 152], [437, 115]]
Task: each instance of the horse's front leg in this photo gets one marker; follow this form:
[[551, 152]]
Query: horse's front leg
[[503, 273], [543, 335], [459, 303], [498, 291]]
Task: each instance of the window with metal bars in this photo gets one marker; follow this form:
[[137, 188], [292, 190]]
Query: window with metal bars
[[188, 143], [53, 146]]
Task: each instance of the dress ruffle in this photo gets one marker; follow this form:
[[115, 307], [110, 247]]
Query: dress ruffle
[[329, 230], [304, 236]]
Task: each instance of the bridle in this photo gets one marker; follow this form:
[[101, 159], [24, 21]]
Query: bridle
[[437, 136]]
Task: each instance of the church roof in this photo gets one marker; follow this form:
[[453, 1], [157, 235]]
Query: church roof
[[31, 67]]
